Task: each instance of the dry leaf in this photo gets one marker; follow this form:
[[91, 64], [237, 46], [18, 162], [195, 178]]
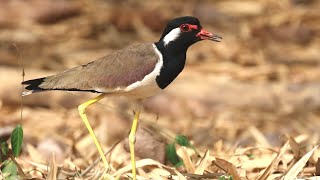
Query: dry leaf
[[260, 162], [227, 167], [180, 176], [294, 171], [139, 164], [158, 173]]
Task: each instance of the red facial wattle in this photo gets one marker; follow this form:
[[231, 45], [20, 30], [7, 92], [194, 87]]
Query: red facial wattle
[[188, 27]]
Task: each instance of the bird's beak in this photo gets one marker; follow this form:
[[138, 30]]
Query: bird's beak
[[206, 35]]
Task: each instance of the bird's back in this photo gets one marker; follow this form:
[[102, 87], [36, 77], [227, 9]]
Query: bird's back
[[113, 72]]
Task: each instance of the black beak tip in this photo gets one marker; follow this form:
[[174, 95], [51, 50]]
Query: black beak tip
[[217, 38]]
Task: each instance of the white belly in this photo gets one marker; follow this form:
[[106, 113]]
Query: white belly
[[142, 91]]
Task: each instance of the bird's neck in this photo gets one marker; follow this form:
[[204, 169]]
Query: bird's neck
[[174, 58], [172, 48]]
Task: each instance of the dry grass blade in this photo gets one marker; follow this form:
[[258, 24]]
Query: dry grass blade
[[259, 137], [314, 178], [190, 167], [97, 174], [205, 175], [294, 146], [52, 175], [139, 164], [107, 176], [275, 161], [227, 167], [34, 154], [180, 176], [294, 171], [88, 169], [158, 173], [20, 171], [37, 165], [204, 163]]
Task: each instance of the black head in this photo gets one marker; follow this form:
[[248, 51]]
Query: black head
[[182, 32]]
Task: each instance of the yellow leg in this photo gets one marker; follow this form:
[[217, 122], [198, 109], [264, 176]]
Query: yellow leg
[[132, 140], [82, 112]]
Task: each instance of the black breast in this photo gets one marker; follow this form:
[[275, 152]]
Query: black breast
[[172, 66]]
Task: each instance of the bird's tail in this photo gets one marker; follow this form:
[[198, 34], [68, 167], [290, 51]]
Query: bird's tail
[[33, 86]]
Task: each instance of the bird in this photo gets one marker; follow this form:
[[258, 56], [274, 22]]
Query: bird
[[136, 72]]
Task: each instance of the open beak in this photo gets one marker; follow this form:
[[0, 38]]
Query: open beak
[[205, 35]]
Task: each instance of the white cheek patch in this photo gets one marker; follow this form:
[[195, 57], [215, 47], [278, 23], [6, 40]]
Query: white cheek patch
[[171, 36]]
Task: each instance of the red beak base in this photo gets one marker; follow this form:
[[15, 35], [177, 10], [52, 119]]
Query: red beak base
[[206, 35]]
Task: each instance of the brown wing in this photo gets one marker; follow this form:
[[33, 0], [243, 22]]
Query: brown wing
[[116, 70]]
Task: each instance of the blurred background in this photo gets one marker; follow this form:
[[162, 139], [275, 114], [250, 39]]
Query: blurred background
[[257, 87]]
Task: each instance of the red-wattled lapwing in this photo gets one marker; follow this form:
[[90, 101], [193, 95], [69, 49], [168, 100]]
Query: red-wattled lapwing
[[135, 72]]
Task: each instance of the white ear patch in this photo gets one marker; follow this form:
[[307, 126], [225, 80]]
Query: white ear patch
[[171, 36]]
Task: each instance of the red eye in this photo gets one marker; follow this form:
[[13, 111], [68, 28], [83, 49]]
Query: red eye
[[184, 28]]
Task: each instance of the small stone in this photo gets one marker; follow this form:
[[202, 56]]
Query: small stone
[[318, 167], [148, 144], [5, 132], [47, 147], [49, 12]]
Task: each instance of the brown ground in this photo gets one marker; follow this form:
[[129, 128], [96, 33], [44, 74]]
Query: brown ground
[[244, 99]]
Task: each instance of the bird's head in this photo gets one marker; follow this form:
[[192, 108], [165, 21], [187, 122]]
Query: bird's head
[[185, 31]]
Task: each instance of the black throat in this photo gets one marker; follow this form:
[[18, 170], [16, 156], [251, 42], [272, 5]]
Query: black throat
[[174, 58]]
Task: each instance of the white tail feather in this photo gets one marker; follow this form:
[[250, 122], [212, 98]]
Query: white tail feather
[[28, 92]]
